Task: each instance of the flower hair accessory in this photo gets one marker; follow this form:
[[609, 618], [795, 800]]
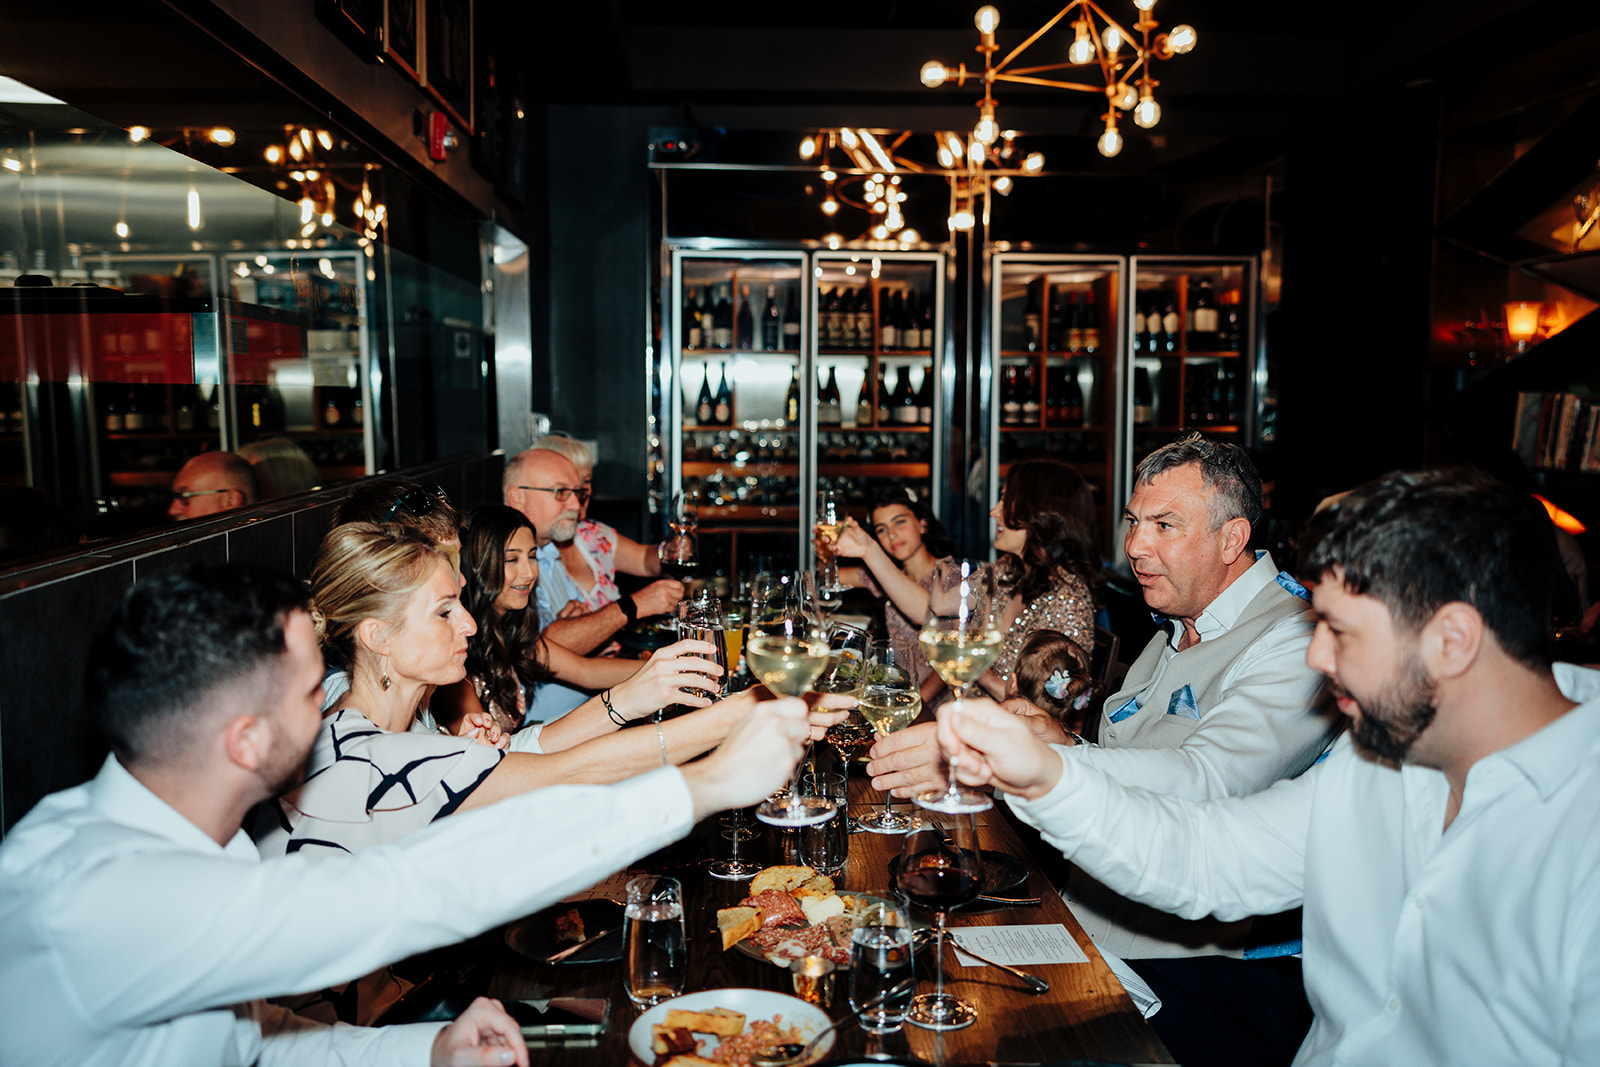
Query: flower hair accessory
[[1057, 685]]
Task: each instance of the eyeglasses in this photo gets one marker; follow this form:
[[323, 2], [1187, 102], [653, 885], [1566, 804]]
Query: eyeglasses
[[419, 502], [561, 493], [190, 494]]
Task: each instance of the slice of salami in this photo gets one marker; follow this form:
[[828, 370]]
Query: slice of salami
[[781, 908]]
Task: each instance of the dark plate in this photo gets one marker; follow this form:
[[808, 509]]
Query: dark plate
[[1001, 872], [535, 936]]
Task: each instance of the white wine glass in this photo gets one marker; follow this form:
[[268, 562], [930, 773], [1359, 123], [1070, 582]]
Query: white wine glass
[[787, 652], [890, 701], [831, 516], [960, 640]]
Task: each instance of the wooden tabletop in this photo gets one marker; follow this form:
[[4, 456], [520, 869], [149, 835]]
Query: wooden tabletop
[[1086, 1015]]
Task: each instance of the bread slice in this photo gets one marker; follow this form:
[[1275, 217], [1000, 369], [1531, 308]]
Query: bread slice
[[784, 878], [672, 1041], [736, 924], [718, 1021], [819, 886]]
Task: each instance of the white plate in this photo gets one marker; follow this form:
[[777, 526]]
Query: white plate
[[752, 1003]]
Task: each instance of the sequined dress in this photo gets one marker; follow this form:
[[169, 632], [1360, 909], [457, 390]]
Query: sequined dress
[[1066, 607]]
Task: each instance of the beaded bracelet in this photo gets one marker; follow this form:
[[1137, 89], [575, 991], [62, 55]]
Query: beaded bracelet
[[662, 737], [616, 716]]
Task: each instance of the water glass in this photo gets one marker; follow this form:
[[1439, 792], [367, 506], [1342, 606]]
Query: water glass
[[826, 845], [653, 935], [880, 956]]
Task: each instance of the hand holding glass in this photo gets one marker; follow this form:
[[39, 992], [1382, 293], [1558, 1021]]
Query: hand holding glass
[[787, 652], [960, 640]]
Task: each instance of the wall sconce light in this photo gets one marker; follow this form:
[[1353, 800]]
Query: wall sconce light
[[1522, 322]]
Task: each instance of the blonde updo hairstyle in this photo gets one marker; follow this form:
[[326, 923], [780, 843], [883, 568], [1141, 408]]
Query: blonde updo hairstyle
[[367, 570]]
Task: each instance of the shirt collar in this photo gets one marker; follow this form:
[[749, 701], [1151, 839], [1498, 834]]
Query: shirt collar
[[124, 799], [549, 552], [1222, 613], [1551, 755]]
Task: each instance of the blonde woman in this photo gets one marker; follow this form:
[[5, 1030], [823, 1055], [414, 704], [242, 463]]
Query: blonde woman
[[386, 600]]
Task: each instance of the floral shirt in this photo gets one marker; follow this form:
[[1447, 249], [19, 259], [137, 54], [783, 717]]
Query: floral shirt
[[597, 544]]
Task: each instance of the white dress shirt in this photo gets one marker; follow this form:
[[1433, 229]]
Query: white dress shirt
[[1476, 945], [127, 936]]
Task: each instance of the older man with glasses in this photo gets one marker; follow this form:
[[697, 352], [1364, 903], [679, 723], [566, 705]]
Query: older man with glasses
[[211, 483]]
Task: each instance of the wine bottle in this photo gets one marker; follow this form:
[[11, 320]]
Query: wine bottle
[[926, 341], [1055, 389], [1144, 402], [911, 324], [1074, 325], [1030, 396], [724, 402], [691, 322], [1010, 397], [904, 405], [829, 408], [1235, 408], [722, 320], [1091, 327], [1072, 400], [832, 320], [705, 407], [864, 403], [884, 398], [745, 328], [1217, 408], [1232, 324], [864, 329], [791, 402], [113, 417], [1031, 321], [1203, 318], [1056, 325], [791, 320], [847, 319], [331, 413], [1170, 326], [1152, 325], [769, 321], [133, 420], [888, 320], [1141, 337], [925, 397]]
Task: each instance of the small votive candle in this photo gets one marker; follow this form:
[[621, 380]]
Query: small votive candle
[[813, 980]]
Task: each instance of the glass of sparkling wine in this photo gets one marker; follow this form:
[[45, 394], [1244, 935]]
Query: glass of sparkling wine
[[880, 958], [657, 952], [831, 516], [890, 701], [960, 640], [787, 652]]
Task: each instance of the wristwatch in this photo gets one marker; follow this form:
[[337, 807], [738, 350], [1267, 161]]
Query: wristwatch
[[630, 610]]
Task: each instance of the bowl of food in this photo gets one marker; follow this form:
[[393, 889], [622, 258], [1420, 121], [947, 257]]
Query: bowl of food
[[725, 1026]]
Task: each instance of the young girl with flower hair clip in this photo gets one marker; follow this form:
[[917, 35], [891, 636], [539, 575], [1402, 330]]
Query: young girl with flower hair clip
[[1054, 674]]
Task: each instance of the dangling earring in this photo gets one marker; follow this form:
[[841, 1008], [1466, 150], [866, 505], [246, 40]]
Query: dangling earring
[[384, 678]]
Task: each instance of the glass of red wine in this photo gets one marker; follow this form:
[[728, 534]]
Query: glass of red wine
[[940, 869]]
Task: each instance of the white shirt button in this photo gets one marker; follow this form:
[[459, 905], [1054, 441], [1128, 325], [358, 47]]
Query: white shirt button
[[1394, 1004]]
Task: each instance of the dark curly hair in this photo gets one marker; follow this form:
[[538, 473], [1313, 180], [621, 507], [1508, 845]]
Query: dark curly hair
[[507, 650], [1050, 502], [174, 641], [935, 540]]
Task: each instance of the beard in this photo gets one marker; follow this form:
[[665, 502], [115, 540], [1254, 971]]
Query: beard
[[564, 528], [1391, 722]]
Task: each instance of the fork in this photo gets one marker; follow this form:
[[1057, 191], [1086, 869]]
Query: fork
[[1034, 982]]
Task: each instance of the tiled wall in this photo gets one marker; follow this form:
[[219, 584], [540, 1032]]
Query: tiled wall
[[48, 739]]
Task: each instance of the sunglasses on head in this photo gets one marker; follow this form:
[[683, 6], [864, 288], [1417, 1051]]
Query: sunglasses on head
[[419, 502]]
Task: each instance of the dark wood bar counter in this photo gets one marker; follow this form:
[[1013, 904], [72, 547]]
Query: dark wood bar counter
[[1085, 1015]]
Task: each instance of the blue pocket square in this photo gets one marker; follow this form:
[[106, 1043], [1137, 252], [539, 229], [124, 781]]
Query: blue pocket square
[[1182, 704], [1130, 708]]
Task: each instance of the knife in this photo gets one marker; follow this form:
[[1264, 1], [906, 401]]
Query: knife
[[564, 953]]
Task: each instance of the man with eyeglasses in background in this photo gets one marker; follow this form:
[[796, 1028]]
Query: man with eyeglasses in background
[[546, 488], [211, 483]]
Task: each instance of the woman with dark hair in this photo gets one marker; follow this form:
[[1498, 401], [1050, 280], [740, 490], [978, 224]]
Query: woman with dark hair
[[906, 545]]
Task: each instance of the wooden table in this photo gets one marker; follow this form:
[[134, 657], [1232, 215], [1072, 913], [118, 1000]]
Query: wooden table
[[1085, 1015]]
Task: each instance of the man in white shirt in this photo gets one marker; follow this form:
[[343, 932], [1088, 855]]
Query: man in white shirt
[[1219, 703], [138, 925], [1447, 855]]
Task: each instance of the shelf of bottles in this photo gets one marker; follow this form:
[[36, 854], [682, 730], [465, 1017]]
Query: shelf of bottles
[[879, 319], [1055, 331], [1191, 347], [740, 331], [314, 394]]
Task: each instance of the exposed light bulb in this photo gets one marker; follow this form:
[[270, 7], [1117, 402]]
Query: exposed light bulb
[[880, 231], [987, 130], [221, 135], [1124, 96], [962, 219], [946, 160], [297, 151], [325, 139], [1147, 113], [138, 133], [910, 237], [808, 148], [953, 143], [1002, 185], [194, 208], [829, 175], [1112, 38], [327, 218], [12, 164], [307, 209], [986, 19], [830, 206], [1182, 39], [1082, 50], [847, 137], [122, 228], [934, 74], [975, 151], [1144, 5], [1033, 163], [273, 154], [305, 138], [834, 240], [879, 207], [312, 175], [1110, 142]]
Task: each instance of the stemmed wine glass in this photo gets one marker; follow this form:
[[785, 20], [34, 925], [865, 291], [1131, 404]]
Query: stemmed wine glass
[[787, 651], [960, 640], [680, 552], [941, 869], [890, 701], [847, 654], [831, 516]]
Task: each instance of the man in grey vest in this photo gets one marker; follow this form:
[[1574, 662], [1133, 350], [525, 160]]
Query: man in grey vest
[[1220, 703]]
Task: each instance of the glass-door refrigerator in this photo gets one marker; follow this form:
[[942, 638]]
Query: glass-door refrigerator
[[1194, 359], [879, 331], [1056, 346], [735, 395]]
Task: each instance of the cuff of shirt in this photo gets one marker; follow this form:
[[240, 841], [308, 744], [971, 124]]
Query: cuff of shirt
[[411, 1042], [663, 800], [527, 739], [1054, 809]]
